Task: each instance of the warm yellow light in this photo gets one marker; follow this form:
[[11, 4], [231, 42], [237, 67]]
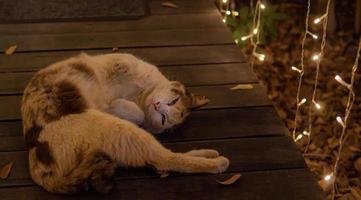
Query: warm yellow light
[[316, 57], [340, 121], [224, 20], [224, 1], [302, 101], [235, 13], [296, 69], [328, 177], [342, 82], [262, 6], [316, 21], [298, 137], [305, 133], [228, 12], [255, 31], [317, 105]]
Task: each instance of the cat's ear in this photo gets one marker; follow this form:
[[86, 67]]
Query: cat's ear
[[195, 101]]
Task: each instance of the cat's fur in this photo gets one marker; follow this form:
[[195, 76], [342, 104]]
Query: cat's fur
[[80, 115]]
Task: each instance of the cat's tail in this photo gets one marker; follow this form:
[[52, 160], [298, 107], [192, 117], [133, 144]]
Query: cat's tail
[[94, 170]]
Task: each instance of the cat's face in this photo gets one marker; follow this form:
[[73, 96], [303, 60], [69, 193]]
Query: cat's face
[[168, 107]]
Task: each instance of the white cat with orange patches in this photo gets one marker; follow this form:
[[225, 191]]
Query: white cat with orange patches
[[85, 116]]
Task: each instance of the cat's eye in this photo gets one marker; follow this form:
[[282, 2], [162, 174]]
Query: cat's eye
[[173, 101]]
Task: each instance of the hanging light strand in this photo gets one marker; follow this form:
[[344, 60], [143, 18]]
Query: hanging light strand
[[317, 58], [255, 33], [301, 73], [343, 122]]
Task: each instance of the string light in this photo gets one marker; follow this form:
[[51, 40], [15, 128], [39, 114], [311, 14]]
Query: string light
[[301, 73], [255, 31], [314, 36], [306, 133], [224, 1], [262, 6], [235, 13], [302, 102], [342, 82], [328, 177], [228, 12], [343, 122], [254, 35], [296, 69], [317, 58], [224, 20], [319, 19]]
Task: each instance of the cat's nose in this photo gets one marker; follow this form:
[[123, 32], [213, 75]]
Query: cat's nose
[[156, 105]]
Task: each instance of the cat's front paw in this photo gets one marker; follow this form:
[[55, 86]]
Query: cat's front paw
[[222, 164]]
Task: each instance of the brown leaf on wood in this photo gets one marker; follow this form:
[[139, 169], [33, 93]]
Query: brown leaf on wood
[[231, 180], [5, 170], [10, 50], [169, 5], [242, 87]]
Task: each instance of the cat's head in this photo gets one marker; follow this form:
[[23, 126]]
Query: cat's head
[[168, 106]]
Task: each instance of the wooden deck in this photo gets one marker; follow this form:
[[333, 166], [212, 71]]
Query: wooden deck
[[189, 44]]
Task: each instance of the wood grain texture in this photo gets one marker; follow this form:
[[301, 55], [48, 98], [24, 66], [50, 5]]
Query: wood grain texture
[[291, 184], [272, 153], [82, 41], [153, 22], [201, 125], [221, 97], [194, 75], [160, 56], [184, 6]]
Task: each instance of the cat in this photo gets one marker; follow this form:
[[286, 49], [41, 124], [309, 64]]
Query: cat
[[87, 115]]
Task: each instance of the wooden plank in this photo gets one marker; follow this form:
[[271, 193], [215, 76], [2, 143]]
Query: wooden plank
[[160, 56], [184, 6], [236, 123], [272, 153], [152, 22], [79, 41], [220, 96], [195, 75], [292, 184]]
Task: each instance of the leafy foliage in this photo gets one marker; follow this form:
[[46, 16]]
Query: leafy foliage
[[242, 24]]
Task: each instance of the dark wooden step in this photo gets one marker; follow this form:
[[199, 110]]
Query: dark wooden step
[[160, 56], [267, 153], [291, 184]]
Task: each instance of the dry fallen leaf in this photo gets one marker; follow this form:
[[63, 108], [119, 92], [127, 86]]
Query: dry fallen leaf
[[169, 5], [5, 170], [231, 180], [11, 50], [115, 49], [164, 175], [242, 87]]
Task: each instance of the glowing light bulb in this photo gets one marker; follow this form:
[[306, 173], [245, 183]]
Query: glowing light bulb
[[224, 1], [313, 35], [224, 20], [228, 12], [342, 82], [244, 38], [296, 69], [261, 58], [340, 121], [236, 41], [328, 177], [302, 101], [298, 137], [255, 31], [262, 6], [306, 133], [317, 105], [235, 13], [316, 57], [316, 21]]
